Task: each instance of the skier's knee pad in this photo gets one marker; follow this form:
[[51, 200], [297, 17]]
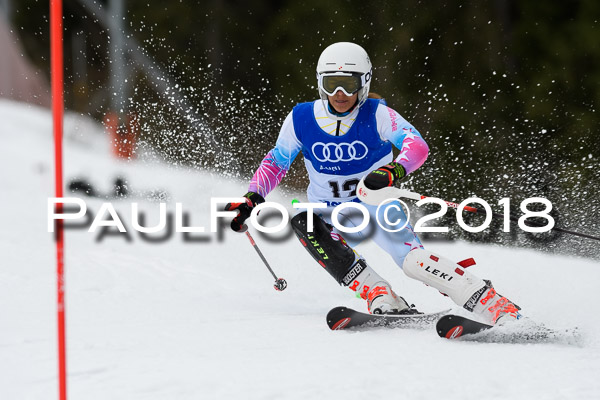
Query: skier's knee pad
[[446, 276], [330, 251]]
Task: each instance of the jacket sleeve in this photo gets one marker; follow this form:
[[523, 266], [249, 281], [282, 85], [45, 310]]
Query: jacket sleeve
[[277, 162], [394, 128]]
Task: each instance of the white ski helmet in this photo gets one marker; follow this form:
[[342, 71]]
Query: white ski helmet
[[344, 66]]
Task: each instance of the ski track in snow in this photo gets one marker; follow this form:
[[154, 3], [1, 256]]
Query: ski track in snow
[[180, 320]]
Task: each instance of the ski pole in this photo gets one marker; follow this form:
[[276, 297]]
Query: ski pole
[[280, 283], [477, 210], [375, 197]]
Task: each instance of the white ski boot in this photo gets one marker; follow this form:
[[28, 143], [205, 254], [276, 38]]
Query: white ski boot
[[495, 308], [378, 293], [382, 300]]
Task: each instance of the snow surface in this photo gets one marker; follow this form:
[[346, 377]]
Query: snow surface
[[201, 320]]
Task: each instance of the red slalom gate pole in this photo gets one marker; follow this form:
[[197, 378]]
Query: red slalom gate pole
[[56, 72]]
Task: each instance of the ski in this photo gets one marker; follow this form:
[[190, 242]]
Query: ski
[[454, 326], [339, 318], [522, 331]]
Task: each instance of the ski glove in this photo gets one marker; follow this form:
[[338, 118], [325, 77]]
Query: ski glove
[[252, 199], [387, 175]]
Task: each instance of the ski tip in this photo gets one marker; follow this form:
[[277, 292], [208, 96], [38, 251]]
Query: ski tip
[[455, 326], [449, 327], [337, 318]]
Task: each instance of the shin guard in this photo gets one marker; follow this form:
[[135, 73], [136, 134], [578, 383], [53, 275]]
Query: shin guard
[[327, 248], [444, 275]]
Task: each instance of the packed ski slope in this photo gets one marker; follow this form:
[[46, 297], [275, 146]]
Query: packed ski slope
[[201, 320]]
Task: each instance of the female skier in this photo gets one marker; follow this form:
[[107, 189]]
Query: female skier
[[345, 136]]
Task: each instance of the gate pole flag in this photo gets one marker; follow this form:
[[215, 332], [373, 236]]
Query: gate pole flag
[[56, 73]]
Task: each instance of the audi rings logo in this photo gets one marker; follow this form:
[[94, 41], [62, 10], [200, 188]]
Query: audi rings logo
[[334, 152]]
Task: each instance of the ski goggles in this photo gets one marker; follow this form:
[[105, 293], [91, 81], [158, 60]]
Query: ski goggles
[[347, 82]]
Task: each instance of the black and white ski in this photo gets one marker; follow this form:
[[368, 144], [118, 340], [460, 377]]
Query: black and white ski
[[454, 326], [522, 331], [339, 318]]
